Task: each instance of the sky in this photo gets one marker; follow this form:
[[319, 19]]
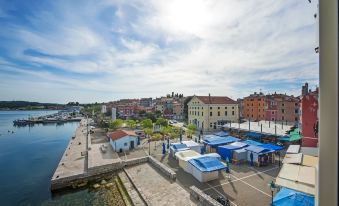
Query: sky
[[99, 51]]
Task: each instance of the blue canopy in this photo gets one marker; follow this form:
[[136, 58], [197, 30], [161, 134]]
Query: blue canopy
[[257, 149], [221, 134], [254, 134], [213, 140], [288, 197], [179, 146], [207, 164], [272, 147], [239, 144], [226, 151], [251, 142]]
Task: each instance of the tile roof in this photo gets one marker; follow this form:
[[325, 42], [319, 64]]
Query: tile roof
[[216, 100], [121, 133]]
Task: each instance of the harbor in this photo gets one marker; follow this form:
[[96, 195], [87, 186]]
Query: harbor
[[59, 117]]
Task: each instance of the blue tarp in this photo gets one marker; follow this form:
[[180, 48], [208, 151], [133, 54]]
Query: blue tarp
[[257, 149], [207, 164], [226, 151], [288, 197], [254, 134], [179, 146], [239, 144], [213, 140], [222, 134], [271, 147], [251, 142]]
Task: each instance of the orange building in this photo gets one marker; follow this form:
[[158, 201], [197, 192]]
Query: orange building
[[254, 107]]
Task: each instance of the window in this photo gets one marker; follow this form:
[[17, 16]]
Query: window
[[296, 111], [218, 107], [283, 111], [211, 125], [232, 107], [226, 107], [202, 114], [282, 118], [198, 113], [195, 112], [296, 104], [272, 112], [226, 113], [210, 113], [125, 144], [233, 113], [219, 113], [210, 107], [259, 115], [272, 119], [248, 116], [252, 115], [259, 110], [296, 119], [259, 104]]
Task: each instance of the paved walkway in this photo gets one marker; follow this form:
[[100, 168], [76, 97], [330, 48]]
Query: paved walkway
[[72, 161], [156, 189]]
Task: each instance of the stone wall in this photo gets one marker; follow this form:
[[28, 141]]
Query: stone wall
[[164, 169], [202, 198]]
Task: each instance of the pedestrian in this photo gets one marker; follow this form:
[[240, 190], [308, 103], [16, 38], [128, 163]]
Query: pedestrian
[[228, 169]]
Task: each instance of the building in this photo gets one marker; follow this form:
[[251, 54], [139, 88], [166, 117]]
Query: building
[[114, 113], [123, 140], [103, 109], [210, 112], [241, 108], [146, 102], [178, 110], [282, 107], [254, 107], [308, 122]]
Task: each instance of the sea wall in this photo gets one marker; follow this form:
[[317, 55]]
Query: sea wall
[[202, 198]]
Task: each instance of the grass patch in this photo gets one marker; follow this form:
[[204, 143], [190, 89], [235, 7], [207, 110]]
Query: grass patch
[[123, 191]]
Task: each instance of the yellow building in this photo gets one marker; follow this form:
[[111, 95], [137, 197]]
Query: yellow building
[[211, 112]]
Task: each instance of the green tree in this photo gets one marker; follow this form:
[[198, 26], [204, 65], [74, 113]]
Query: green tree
[[148, 132], [162, 122], [116, 124], [165, 130], [190, 130], [131, 123], [146, 123]]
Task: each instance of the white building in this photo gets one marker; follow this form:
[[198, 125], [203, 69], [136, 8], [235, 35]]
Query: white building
[[103, 109], [114, 113], [122, 140]]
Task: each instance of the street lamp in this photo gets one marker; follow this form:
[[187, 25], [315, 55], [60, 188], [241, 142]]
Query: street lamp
[[273, 187]]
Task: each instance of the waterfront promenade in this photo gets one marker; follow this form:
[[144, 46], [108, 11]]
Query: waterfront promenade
[[73, 161]]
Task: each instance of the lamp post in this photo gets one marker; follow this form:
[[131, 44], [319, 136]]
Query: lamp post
[[273, 187]]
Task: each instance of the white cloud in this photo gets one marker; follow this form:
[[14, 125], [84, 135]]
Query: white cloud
[[148, 48]]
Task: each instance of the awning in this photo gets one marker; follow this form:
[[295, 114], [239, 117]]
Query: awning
[[293, 149], [297, 177], [293, 158], [289, 197], [272, 147]]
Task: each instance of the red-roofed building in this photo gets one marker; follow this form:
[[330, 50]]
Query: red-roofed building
[[211, 112], [123, 140]]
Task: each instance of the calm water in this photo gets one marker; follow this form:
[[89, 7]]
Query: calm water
[[28, 157]]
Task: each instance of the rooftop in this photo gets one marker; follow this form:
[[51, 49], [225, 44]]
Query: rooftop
[[216, 100], [121, 133]]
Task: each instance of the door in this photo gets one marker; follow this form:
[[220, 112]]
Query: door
[[132, 144]]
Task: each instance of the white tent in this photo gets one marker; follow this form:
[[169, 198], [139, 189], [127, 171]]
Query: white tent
[[193, 145], [293, 158], [293, 149], [183, 158], [297, 177]]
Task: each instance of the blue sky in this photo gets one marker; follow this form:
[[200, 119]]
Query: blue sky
[[98, 51]]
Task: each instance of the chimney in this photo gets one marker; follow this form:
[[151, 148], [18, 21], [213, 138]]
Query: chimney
[[209, 97]]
